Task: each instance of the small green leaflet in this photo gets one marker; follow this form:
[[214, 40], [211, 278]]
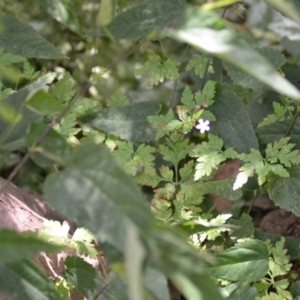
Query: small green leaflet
[[218, 225], [278, 115], [198, 63], [278, 266], [159, 122], [210, 155], [7, 59], [158, 71], [278, 156]]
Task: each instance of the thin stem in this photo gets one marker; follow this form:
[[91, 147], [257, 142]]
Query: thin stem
[[257, 192], [293, 122]]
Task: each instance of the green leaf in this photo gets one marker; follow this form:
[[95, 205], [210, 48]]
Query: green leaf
[[210, 155], [106, 13], [63, 90], [198, 63], [209, 33], [287, 8], [279, 262], [118, 99], [233, 122], [28, 71], [43, 103], [159, 123], [53, 149], [7, 59], [62, 11], [175, 152], [83, 276], [291, 244], [243, 227], [285, 192], [13, 246], [281, 151], [295, 290], [246, 261], [20, 39], [280, 112], [240, 291], [206, 97], [219, 187], [98, 195], [157, 284], [140, 20], [178, 260], [11, 135], [187, 98], [274, 132], [238, 76], [158, 71], [128, 122], [23, 280]]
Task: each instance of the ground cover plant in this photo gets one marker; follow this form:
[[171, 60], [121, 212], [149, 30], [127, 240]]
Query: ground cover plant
[[121, 113]]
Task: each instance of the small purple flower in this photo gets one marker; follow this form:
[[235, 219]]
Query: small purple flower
[[203, 125]]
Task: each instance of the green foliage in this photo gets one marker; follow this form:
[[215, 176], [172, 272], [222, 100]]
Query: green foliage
[[158, 71], [210, 155], [128, 122], [128, 140]]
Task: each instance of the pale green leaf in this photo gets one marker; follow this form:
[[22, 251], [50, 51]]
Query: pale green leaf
[[128, 122], [62, 11], [198, 29], [20, 39], [106, 13]]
